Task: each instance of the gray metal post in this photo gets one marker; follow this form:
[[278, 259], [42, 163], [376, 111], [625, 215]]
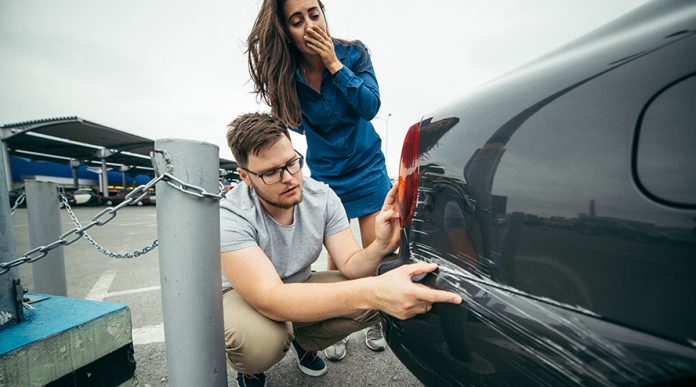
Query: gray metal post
[[8, 306], [43, 213], [104, 179], [6, 162], [188, 230], [123, 170], [74, 165]]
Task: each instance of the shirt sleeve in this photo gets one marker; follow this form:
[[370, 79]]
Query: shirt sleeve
[[236, 232], [336, 218], [358, 84]]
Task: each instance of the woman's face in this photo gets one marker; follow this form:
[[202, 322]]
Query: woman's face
[[299, 16]]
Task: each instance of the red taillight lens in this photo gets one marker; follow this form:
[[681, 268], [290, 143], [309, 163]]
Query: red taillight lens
[[408, 175]]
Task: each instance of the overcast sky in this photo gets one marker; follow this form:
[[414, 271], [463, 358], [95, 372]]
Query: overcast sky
[[177, 69]]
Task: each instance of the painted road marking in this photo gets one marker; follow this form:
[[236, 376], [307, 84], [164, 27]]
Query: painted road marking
[[101, 288], [149, 334], [131, 291]]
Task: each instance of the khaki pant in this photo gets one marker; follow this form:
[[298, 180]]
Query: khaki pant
[[254, 343]]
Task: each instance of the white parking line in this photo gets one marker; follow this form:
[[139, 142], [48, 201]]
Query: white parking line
[[146, 223], [101, 288], [148, 334], [131, 291]]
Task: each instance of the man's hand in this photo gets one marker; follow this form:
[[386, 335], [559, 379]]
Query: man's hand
[[319, 40], [397, 295], [387, 228]]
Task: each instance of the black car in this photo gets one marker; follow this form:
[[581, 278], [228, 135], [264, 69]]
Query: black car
[[82, 197], [560, 201], [14, 195]]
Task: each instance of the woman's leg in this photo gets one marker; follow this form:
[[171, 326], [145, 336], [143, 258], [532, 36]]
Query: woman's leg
[[367, 234], [367, 228], [374, 339]]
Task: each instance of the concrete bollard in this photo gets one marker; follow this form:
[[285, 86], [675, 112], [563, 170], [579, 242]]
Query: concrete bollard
[[10, 311], [43, 213], [188, 230]]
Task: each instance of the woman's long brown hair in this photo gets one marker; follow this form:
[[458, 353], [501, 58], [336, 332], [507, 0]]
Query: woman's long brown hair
[[273, 61]]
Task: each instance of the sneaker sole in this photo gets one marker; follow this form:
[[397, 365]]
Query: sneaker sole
[[311, 372], [379, 348], [335, 358], [239, 385]]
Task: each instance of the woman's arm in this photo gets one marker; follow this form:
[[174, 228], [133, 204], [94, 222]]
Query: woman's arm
[[358, 86], [360, 89]]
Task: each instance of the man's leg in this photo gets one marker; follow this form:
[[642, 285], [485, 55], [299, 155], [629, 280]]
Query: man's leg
[[316, 336], [253, 342]]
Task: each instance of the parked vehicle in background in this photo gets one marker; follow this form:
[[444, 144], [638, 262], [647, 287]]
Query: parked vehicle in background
[[560, 202], [14, 195], [118, 198], [82, 197]]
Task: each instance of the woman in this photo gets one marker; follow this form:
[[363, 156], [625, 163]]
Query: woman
[[326, 89]]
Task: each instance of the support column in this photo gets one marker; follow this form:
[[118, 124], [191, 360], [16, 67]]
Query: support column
[[8, 306], [6, 161], [124, 169], [74, 165], [43, 213], [188, 230], [104, 179]]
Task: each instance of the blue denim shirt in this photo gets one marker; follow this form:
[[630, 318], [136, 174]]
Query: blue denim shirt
[[343, 149]]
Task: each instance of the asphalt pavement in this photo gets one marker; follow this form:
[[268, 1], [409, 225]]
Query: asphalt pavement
[[135, 282]]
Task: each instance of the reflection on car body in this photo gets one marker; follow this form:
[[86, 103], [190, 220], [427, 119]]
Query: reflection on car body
[[549, 202]]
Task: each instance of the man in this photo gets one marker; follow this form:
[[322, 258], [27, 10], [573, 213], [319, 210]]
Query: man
[[273, 226]]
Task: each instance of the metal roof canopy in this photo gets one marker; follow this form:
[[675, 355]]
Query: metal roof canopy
[[79, 139]]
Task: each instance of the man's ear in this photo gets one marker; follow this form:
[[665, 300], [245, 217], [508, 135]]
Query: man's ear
[[244, 175]]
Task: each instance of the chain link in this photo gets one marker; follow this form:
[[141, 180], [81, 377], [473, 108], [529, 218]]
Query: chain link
[[179, 185], [18, 203], [134, 196]]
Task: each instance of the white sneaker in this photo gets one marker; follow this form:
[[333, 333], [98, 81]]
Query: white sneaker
[[337, 351], [374, 339]]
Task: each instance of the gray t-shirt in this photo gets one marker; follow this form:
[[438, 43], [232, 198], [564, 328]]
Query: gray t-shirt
[[292, 249]]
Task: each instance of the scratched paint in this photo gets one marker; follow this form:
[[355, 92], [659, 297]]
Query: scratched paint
[[559, 341]]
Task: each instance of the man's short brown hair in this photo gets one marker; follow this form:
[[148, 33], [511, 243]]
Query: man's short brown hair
[[252, 132]]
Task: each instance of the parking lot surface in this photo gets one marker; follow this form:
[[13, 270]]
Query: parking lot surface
[[135, 282]]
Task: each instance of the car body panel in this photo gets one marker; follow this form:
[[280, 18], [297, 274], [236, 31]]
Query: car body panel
[[530, 203]]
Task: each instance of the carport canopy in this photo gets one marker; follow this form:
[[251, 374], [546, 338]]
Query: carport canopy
[[82, 140]]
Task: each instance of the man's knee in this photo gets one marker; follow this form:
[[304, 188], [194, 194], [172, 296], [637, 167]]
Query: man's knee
[[254, 350]]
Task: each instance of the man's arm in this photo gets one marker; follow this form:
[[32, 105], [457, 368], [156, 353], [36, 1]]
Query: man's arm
[[253, 276], [354, 262]]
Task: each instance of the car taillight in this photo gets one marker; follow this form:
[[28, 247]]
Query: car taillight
[[408, 175]]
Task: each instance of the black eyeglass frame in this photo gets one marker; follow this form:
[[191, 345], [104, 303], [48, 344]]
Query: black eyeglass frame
[[283, 169]]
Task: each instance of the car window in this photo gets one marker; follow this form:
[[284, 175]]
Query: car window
[[665, 159]]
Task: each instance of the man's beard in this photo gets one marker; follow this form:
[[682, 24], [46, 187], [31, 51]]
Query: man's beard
[[284, 205]]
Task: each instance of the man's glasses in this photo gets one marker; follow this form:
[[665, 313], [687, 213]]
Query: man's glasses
[[275, 175]]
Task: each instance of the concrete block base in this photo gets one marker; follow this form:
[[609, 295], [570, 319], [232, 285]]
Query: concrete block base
[[67, 341]]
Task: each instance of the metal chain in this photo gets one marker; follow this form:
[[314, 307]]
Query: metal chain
[[76, 233], [179, 185], [17, 203], [95, 221]]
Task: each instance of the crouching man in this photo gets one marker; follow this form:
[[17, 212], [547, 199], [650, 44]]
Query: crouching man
[[273, 227]]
